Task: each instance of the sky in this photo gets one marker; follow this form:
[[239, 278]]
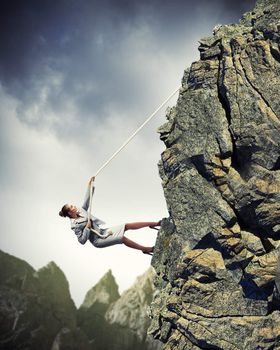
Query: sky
[[76, 79]]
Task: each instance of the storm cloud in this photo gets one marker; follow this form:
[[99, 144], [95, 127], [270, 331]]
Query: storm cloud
[[89, 57]]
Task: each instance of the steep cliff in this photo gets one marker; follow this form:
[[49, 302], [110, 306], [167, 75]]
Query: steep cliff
[[216, 257]]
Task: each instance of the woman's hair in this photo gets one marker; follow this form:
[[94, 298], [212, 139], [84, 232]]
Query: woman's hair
[[64, 211]]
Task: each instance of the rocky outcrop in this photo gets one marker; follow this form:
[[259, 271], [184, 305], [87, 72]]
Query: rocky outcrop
[[216, 257]]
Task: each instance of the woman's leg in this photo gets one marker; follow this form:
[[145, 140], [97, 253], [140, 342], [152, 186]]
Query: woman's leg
[[129, 243], [137, 225]]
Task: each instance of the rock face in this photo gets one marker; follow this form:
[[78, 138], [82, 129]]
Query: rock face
[[216, 257]]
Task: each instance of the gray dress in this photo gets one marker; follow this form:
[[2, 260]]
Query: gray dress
[[83, 233]]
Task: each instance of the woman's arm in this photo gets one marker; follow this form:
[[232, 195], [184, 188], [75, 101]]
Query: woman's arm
[[87, 196], [82, 233]]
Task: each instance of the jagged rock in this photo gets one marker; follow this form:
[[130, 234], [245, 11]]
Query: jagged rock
[[216, 257], [118, 322], [105, 292], [37, 312], [34, 306], [57, 295], [129, 316]]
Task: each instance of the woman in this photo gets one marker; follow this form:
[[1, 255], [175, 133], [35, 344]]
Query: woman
[[98, 236]]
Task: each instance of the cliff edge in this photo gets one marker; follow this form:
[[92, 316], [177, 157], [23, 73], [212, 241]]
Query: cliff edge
[[216, 256]]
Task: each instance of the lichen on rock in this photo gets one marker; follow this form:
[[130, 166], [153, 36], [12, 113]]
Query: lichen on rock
[[216, 256]]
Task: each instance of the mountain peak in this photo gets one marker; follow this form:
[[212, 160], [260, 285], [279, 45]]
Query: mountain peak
[[104, 292], [139, 294]]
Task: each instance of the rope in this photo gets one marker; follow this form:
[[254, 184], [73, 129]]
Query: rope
[[90, 200], [109, 233], [135, 132], [118, 151]]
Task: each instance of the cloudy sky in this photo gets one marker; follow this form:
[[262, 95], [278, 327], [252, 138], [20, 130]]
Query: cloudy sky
[[76, 79]]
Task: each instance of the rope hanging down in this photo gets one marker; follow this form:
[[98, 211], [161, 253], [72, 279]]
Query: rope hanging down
[[125, 143]]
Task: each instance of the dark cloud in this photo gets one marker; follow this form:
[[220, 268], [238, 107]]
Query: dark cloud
[[32, 29], [99, 50]]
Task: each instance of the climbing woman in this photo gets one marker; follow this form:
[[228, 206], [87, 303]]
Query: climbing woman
[[89, 229]]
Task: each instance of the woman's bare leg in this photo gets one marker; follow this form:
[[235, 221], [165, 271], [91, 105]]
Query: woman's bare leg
[[129, 243], [137, 225]]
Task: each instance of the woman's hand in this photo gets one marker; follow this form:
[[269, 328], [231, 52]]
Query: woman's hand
[[91, 180]]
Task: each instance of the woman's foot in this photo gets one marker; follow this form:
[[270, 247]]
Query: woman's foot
[[148, 251], [156, 224]]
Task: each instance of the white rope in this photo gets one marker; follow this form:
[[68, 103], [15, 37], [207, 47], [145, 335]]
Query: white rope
[[90, 200], [109, 233], [135, 132], [117, 152]]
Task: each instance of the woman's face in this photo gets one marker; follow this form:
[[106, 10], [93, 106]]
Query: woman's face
[[72, 210]]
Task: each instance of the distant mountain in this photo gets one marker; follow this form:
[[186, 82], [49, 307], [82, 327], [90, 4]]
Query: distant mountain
[[129, 316], [118, 322], [37, 311], [91, 314]]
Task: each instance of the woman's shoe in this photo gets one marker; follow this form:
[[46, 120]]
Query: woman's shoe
[[154, 226], [149, 253]]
